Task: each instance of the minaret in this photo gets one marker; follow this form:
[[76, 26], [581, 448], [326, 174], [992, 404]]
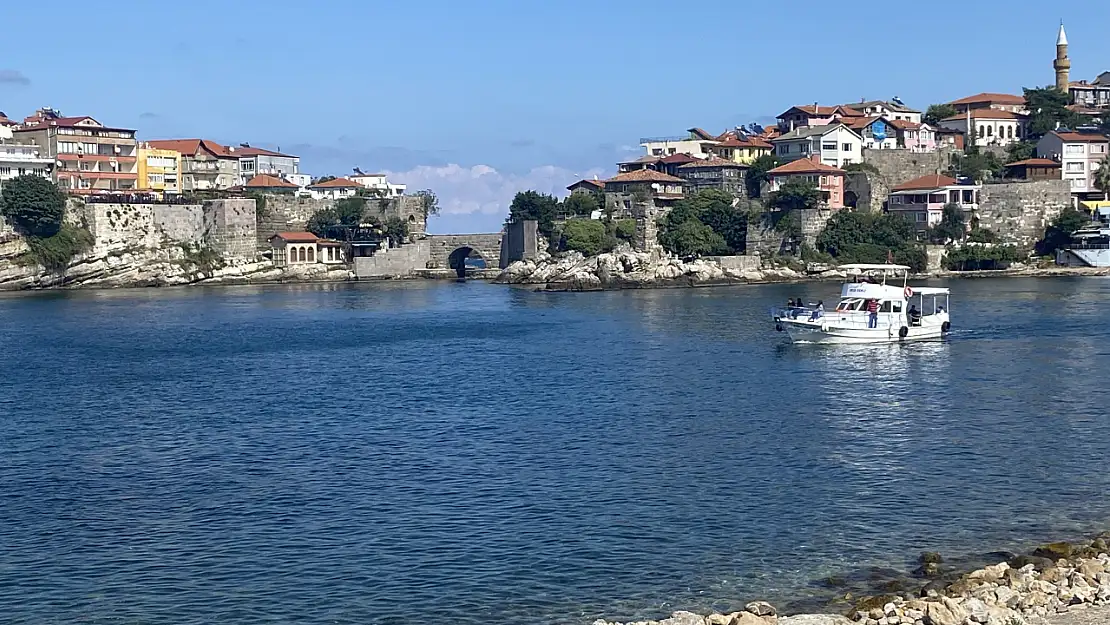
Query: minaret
[[1062, 63]]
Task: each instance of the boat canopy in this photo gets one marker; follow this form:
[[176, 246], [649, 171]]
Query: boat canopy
[[876, 267], [929, 290]]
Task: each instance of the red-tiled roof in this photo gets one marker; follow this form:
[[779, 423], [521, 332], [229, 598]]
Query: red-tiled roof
[[903, 124], [924, 183], [647, 158], [731, 141], [677, 159], [266, 181], [600, 184], [712, 161], [991, 98], [192, 146], [297, 237], [338, 183], [986, 114], [1034, 162], [805, 166], [1081, 137], [643, 175]]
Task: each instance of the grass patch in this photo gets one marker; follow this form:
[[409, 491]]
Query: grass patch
[[55, 253]]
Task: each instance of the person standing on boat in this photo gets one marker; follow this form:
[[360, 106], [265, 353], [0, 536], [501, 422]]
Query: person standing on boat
[[873, 316]]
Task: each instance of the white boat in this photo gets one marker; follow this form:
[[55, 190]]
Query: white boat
[[901, 312]]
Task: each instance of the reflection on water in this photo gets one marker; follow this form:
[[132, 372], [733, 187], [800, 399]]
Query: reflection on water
[[359, 453]]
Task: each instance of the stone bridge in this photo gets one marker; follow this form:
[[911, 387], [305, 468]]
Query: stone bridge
[[488, 246]]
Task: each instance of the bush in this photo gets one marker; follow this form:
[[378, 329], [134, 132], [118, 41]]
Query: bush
[[853, 237], [56, 252], [205, 259], [587, 236], [811, 255], [692, 238], [980, 257], [711, 208], [625, 229], [396, 228], [857, 167], [34, 205]]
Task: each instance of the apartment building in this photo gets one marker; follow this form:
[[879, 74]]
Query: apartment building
[[205, 165], [1080, 154], [88, 156], [20, 160], [159, 170]]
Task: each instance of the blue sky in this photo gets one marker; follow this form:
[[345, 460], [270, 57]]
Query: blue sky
[[478, 99]]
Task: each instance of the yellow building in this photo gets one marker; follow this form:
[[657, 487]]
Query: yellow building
[[159, 170], [742, 151]]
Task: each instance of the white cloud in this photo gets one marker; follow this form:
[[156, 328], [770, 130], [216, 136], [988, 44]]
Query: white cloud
[[483, 190]]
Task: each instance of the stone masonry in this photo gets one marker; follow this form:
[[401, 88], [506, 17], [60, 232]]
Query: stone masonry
[[1019, 211], [226, 226], [895, 166], [285, 213], [441, 246]]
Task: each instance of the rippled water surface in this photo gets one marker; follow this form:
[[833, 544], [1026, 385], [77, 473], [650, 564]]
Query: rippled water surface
[[474, 454]]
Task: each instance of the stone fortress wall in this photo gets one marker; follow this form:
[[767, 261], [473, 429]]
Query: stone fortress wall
[[225, 226]]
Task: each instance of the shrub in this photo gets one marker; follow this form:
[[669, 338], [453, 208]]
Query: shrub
[[205, 259], [692, 238], [625, 229], [980, 257], [585, 235], [56, 252], [34, 205]]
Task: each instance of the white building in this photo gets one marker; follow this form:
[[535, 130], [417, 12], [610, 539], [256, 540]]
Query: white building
[[989, 126], [1079, 153], [336, 189], [378, 184], [834, 144], [892, 110], [19, 160], [694, 143]]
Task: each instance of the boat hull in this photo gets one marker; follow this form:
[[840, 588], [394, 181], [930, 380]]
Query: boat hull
[[811, 332]]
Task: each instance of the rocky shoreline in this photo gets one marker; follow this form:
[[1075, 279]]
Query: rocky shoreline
[[627, 269], [1052, 580]]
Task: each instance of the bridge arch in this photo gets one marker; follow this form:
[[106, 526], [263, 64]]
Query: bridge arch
[[450, 251]]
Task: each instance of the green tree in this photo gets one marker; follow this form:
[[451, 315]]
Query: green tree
[[853, 237], [588, 236], [34, 205], [691, 238], [349, 210], [541, 207], [1057, 235], [1102, 178], [396, 229], [1020, 150], [951, 226], [1048, 106], [757, 173], [795, 194], [580, 204], [979, 257], [976, 164], [981, 235], [429, 203], [937, 112]]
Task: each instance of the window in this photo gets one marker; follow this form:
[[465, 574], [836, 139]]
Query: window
[[1009, 132], [301, 255], [5, 171], [657, 152], [896, 199], [311, 254], [67, 147], [88, 148], [1075, 148], [990, 131], [1075, 167], [919, 217], [847, 147], [1098, 149], [828, 146], [982, 132], [671, 150]]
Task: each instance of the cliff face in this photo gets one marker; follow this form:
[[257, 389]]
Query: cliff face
[[156, 245]]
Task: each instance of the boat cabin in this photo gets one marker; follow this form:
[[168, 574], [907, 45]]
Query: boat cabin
[[879, 296]]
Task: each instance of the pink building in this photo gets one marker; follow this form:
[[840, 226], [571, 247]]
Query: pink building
[[922, 200], [915, 137], [828, 179]]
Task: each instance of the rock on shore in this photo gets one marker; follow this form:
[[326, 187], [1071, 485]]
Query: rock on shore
[[1034, 590], [630, 269]]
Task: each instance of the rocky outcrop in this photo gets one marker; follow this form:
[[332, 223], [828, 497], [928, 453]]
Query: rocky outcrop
[[627, 269], [160, 266], [1063, 577]]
